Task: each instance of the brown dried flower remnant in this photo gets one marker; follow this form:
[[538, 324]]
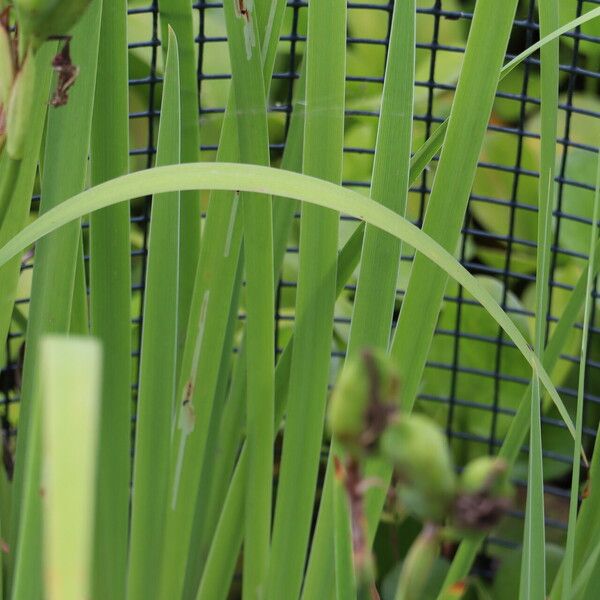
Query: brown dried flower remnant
[[485, 495], [67, 74]]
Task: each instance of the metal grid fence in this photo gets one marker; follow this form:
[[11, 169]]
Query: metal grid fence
[[459, 389]]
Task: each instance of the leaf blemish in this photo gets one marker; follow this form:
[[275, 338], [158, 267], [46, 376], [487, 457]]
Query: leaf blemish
[[243, 10], [188, 391]]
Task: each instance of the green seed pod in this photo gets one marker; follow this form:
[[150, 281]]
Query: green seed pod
[[7, 68], [418, 564], [365, 397], [420, 455], [485, 493], [19, 108], [42, 19], [486, 473]]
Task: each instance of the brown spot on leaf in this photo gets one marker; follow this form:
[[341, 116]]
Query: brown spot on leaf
[[457, 589], [242, 10], [188, 391], [587, 490]]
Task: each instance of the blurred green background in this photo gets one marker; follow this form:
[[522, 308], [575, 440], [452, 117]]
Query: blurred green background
[[475, 379]]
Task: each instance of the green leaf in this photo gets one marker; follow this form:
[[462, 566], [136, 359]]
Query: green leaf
[[345, 577], [375, 297], [178, 14], [586, 538], [210, 310], [245, 50], [158, 362], [110, 305], [70, 380], [506, 581], [65, 167], [533, 566], [323, 156]]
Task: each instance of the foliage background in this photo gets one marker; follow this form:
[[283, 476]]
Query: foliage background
[[474, 378]]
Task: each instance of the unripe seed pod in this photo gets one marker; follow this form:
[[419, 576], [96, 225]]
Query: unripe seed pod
[[42, 19], [486, 473], [419, 452], [418, 564], [365, 397], [7, 68], [485, 494], [19, 108]]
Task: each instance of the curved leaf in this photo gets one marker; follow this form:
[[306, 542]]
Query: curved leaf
[[277, 182]]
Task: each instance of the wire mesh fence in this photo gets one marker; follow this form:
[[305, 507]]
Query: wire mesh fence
[[474, 378]]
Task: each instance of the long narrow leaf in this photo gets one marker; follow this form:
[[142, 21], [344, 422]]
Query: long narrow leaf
[[52, 288], [177, 14], [533, 565], [246, 64], [71, 371], [213, 292], [222, 449], [582, 532], [315, 299], [229, 435], [110, 305], [572, 525], [345, 576], [380, 260], [488, 38], [158, 359]]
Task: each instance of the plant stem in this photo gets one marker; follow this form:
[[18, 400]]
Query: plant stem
[[8, 183]]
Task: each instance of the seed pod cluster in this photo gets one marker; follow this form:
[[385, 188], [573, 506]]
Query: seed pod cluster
[[364, 417]]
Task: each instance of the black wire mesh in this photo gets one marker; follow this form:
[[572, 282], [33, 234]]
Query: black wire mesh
[[471, 397]]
